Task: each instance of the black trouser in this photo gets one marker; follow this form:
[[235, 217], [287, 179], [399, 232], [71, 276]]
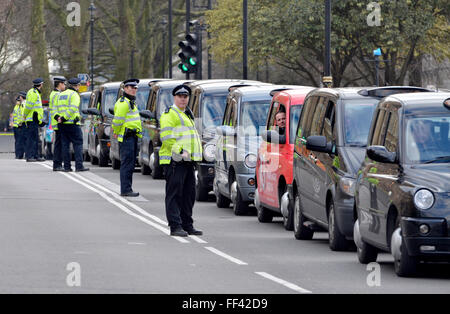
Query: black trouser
[[58, 150], [19, 136], [180, 194], [128, 152], [71, 133], [32, 140]]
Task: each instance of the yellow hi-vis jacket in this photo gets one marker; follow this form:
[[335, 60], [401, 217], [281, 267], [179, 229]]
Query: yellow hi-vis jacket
[[18, 114], [178, 134], [33, 104], [126, 117], [69, 106], [54, 108]]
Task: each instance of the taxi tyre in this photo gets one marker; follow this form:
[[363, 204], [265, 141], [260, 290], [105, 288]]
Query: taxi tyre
[[406, 265], [337, 240], [115, 163], [366, 253], [103, 161], [221, 201], [94, 159], [158, 172], [86, 156], [288, 222], [264, 215], [240, 208], [301, 232], [145, 169], [201, 193]]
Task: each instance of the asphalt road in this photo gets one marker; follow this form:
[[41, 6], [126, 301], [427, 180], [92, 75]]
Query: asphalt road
[[71, 233]]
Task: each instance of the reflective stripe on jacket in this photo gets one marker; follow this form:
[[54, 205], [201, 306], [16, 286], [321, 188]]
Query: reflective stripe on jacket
[[178, 134], [126, 117]]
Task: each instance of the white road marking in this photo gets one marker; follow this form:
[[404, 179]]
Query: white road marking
[[120, 206], [226, 256], [283, 282], [198, 240]]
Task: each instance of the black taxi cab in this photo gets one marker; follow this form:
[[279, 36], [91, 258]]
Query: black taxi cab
[[402, 195], [329, 149]]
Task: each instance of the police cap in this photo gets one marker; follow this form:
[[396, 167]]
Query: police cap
[[74, 81], [131, 82], [38, 81], [182, 90], [59, 79], [22, 94]]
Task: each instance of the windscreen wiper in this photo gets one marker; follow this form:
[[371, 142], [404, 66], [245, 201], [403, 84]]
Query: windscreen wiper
[[439, 159]]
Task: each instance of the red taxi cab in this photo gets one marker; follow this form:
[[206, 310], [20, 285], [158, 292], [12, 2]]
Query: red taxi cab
[[274, 170]]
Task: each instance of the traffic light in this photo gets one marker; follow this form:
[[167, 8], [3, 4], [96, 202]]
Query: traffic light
[[189, 54]]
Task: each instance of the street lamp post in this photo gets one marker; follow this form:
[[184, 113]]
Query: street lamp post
[[170, 39], [245, 44], [327, 79], [163, 28], [92, 8]]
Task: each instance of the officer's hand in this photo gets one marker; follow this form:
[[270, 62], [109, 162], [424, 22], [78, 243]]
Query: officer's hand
[[116, 136], [185, 155]]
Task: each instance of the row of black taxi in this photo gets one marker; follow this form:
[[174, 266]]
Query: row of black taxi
[[370, 166]]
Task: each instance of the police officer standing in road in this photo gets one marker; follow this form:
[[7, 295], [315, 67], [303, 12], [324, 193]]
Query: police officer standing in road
[[127, 128], [69, 124], [180, 151], [33, 116], [60, 86], [18, 125]]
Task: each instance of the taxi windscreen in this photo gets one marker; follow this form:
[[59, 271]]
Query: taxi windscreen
[[427, 139], [110, 100], [254, 116], [165, 101], [357, 121], [142, 97], [213, 110]]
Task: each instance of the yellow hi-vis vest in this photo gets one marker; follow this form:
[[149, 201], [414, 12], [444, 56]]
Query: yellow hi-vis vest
[[69, 106], [33, 104], [126, 117], [18, 115], [54, 108], [178, 134]]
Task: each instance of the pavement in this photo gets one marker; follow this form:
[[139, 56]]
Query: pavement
[[72, 233]]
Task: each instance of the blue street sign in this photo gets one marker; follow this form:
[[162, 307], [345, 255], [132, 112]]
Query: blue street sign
[[84, 78]]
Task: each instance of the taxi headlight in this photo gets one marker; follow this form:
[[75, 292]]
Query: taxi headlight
[[209, 152], [250, 161], [424, 199], [348, 186]]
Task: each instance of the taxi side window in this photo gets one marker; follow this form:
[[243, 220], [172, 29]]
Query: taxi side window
[[380, 128], [273, 113], [196, 104], [329, 122], [391, 140], [152, 101], [306, 118], [318, 117]]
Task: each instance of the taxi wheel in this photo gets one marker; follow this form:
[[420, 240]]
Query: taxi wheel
[[301, 232], [115, 163], [145, 170], [103, 160], [367, 253], [405, 265], [264, 215], [222, 201], [201, 193], [94, 160], [240, 207], [337, 240]]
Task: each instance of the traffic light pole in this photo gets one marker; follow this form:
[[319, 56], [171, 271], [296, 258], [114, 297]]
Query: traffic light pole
[[188, 20], [199, 31], [245, 44], [170, 39], [327, 79]]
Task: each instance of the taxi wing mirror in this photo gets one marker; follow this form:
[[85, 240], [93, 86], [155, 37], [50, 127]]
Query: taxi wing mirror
[[273, 137], [319, 144], [111, 111], [84, 111], [147, 114], [225, 130], [94, 112], [381, 154]]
